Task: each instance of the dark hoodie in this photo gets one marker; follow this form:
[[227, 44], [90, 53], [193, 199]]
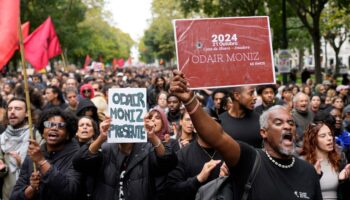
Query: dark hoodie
[[83, 106]]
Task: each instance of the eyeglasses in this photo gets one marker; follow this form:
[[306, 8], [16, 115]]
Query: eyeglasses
[[86, 91], [59, 125]]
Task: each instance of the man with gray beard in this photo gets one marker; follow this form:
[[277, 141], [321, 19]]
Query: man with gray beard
[[281, 175], [301, 113]]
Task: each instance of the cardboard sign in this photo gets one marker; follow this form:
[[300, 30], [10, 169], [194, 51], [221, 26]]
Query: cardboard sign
[[224, 52], [127, 107]]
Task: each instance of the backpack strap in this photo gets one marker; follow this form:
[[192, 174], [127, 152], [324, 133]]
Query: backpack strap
[[252, 175]]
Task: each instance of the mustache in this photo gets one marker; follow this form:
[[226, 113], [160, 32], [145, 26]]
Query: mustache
[[287, 135]]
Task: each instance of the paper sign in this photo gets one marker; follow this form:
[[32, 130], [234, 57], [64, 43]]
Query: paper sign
[[127, 107], [224, 52], [284, 61]]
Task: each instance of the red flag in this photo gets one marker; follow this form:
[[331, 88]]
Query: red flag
[[87, 61], [114, 62], [129, 60], [9, 10], [42, 45], [25, 31], [121, 62]]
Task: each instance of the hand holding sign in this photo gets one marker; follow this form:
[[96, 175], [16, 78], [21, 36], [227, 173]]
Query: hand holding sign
[[127, 107], [179, 87]]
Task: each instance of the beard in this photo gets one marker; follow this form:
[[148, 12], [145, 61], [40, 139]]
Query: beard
[[287, 152], [245, 108], [283, 151]]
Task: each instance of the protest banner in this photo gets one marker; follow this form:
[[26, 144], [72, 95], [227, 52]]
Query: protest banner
[[127, 107], [224, 52], [284, 61]]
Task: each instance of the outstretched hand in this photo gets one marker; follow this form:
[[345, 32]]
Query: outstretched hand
[[149, 126], [179, 86]]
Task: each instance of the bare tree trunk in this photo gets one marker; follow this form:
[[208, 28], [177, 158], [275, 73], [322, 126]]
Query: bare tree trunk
[[337, 63], [301, 60], [316, 37]]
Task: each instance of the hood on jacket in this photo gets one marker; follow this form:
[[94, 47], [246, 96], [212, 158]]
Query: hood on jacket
[[83, 105], [87, 87]]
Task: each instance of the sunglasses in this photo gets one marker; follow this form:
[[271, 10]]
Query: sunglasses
[[86, 91], [59, 125]]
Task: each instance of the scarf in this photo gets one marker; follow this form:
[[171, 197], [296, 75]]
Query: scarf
[[14, 140]]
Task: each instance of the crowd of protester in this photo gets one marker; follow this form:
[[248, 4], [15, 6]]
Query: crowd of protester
[[193, 137]]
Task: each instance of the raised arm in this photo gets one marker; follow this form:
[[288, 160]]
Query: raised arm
[[104, 128], [209, 130]]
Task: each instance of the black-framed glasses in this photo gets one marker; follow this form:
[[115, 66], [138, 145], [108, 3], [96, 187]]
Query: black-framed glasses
[[59, 125]]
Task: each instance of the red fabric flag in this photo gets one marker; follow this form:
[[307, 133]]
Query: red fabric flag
[[114, 64], [129, 60], [9, 10], [87, 61], [42, 45], [121, 62], [25, 31]]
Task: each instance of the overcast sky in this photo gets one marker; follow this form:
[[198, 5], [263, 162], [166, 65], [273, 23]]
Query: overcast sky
[[131, 15]]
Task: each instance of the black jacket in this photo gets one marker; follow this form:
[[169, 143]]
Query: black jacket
[[182, 182], [142, 168], [85, 104], [60, 182]]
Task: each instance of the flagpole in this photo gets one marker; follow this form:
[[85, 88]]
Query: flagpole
[[26, 90], [64, 62]]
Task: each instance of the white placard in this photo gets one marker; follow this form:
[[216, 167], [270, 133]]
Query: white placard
[[127, 107]]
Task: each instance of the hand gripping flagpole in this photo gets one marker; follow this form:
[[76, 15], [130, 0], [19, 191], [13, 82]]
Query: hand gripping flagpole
[[64, 62], [26, 90]]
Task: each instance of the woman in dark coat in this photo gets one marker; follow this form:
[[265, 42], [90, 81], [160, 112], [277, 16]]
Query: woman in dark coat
[[126, 170], [55, 178]]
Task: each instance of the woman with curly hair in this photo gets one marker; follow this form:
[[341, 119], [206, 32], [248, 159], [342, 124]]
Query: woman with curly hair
[[319, 150], [55, 177]]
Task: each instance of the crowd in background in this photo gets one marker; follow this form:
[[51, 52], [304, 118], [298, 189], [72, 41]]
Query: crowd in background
[[175, 161]]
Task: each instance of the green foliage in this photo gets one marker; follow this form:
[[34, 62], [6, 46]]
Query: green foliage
[[158, 40], [101, 38], [335, 28], [224, 8]]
